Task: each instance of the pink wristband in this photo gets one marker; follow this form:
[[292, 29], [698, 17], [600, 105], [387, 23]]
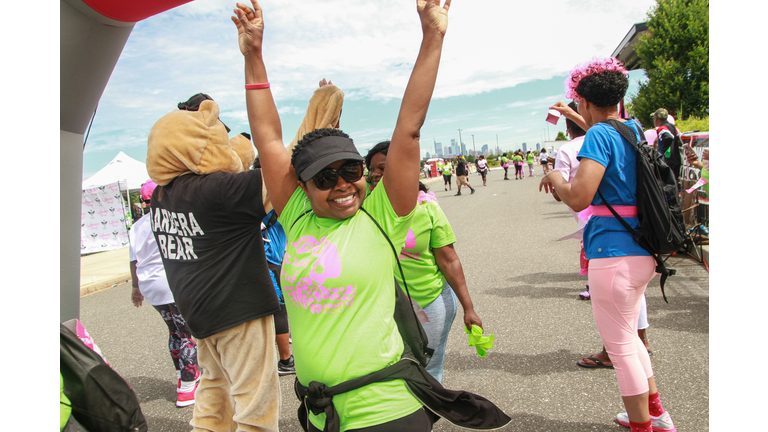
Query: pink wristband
[[257, 86]]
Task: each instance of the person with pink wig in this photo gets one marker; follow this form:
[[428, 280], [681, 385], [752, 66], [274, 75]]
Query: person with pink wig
[[619, 269]]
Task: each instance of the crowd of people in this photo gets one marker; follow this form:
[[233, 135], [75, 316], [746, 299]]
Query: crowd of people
[[267, 262]]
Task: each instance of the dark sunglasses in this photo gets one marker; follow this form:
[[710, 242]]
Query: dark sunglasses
[[327, 178]]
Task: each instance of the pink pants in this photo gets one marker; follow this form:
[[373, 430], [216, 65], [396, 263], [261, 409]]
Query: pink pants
[[616, 287]]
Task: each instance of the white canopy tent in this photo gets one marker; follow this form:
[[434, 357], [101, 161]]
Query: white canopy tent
[[122, 168]]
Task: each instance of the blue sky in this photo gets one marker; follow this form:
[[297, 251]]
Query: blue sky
[[503, 65]]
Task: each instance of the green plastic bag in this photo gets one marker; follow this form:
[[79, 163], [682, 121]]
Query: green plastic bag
[[480, 342]]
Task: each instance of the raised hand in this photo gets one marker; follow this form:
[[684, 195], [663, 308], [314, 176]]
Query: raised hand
[[433, 16], [250, 27], [562, 108]]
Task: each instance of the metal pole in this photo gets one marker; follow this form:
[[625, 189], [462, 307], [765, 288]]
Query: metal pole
[[474, 150], [459, 140]]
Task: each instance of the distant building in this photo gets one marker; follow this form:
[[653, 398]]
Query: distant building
[[538, 147], [463, 149], [484, 150], [454, 147], [438, 148], [429, 156], [525, 148]]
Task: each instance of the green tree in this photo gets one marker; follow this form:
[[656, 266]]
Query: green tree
[[675, 56], [561, 136]]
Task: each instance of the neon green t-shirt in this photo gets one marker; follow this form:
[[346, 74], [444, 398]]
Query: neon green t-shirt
[[504, 160], [429, 229], [531, 157], [447, 168], [517, 158], [337, 279]]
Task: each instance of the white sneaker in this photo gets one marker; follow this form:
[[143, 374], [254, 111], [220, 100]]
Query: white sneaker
[[662, 423]]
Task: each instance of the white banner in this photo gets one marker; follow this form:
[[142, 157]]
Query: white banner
[[103, 224]]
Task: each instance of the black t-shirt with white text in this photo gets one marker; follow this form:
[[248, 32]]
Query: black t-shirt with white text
[[208, 230]]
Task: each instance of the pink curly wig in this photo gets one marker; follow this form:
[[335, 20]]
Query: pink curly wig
[[596, 65]]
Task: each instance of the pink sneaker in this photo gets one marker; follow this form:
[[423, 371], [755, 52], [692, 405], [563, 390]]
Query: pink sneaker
[[186, 398]]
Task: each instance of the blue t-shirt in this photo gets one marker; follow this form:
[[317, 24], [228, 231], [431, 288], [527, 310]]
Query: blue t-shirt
[[605, 236], [275, 247]]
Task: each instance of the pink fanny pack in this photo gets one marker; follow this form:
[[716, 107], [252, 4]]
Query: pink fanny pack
[[623, 211]]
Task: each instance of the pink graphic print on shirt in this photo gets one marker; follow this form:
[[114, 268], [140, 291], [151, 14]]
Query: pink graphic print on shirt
[[410, 245], [323, 263]]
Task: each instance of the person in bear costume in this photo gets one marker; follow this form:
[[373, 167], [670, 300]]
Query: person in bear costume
[[206, 218]]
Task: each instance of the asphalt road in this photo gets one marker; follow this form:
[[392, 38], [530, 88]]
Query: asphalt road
[[524, 284]]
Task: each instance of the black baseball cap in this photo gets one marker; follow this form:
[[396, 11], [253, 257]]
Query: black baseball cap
[[323, 152]]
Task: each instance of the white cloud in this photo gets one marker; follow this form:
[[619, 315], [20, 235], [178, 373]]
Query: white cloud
[[367, 48]]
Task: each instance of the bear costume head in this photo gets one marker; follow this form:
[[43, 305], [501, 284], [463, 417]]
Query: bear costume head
[[196, 142]]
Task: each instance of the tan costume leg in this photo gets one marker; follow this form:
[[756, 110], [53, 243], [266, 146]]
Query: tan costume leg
[[239, 389]]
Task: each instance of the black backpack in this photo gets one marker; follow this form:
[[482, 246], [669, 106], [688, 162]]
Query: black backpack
[[662, 227], [101, 400]]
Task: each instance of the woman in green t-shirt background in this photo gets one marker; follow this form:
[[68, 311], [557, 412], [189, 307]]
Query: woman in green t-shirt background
[[517, 160], [432, 270], [447, 169], [530, 159]]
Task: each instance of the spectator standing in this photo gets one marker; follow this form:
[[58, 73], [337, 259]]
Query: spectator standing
[[150, 283], [530, 158], [667, 140], [434, 274], [702, 165], [567, 163], [619, 269], [376, 160], [505, 165], [517, 161], [543, 160], [482, 168], [447, 169], [273, 235]]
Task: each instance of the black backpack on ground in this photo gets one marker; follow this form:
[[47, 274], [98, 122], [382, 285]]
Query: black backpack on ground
[[659, 208], [101, 400]]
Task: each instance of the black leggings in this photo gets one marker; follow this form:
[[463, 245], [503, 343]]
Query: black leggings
[[419, 421], [447, 179]]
